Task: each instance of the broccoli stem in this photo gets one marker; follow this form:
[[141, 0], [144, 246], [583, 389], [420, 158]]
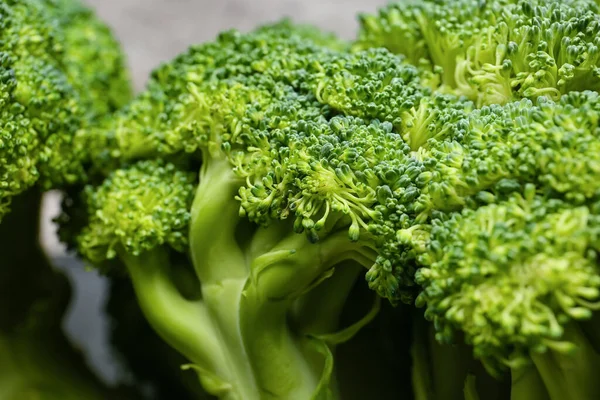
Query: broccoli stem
[[36, 359], [221, 267], [572, 375], [320, 310], [184, 324], [527, 384], [249, 289], [278, 279], [439, 371]]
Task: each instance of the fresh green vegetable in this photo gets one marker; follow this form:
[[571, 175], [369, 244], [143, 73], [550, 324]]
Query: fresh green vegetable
[[157, 370], [495, 51], [248, 188], [279, 129], [51, 85]]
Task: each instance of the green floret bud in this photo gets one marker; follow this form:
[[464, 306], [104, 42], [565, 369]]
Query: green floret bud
[[511, 276], [552, 144], [92, 62], [495, 51], [286, 55], [215, 88], [137, 209], [49, 91], [320, 160], [371, 84], [432, 118]]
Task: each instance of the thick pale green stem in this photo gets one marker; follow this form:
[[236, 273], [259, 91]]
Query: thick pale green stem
[[185, 325], [439, 371], [250, 306], [527, 384], [278, 279], [221, 268], [215, 218], [571, 376]]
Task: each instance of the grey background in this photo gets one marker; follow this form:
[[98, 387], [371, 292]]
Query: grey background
[[153, 31]]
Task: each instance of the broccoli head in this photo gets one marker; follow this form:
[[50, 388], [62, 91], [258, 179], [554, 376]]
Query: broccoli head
[[272, 164], [495, 51], [51, 85], [47, 93]]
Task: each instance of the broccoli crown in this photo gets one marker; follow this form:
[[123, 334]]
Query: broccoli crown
[[357, 141], [92, 61], [460, 195], [49, 91], [137, 208], [309, 131], [511, 275], [495, 51]]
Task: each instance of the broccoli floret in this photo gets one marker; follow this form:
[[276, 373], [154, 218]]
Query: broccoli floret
[[278, 164], [495, 51], [298, 152], [97, 72], [516, 277], [156, 198], [44, 102], [47, 94], [505, 221]]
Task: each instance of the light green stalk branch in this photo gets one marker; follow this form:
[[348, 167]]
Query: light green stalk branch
[[184, 324]]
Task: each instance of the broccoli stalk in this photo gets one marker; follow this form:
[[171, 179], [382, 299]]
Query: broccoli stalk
[[235, 331], [313, 160], [131, 337]]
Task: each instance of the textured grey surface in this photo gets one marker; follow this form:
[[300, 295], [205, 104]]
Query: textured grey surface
[[153, 31]]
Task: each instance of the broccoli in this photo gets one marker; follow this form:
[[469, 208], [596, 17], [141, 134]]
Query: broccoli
[[509, 260], [289, 137], [519, 279], [47, 94], [505, 245], [244, 191], [494, 51], [132, 336]]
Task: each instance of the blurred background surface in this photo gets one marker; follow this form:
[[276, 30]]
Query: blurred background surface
[[153, 31]]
